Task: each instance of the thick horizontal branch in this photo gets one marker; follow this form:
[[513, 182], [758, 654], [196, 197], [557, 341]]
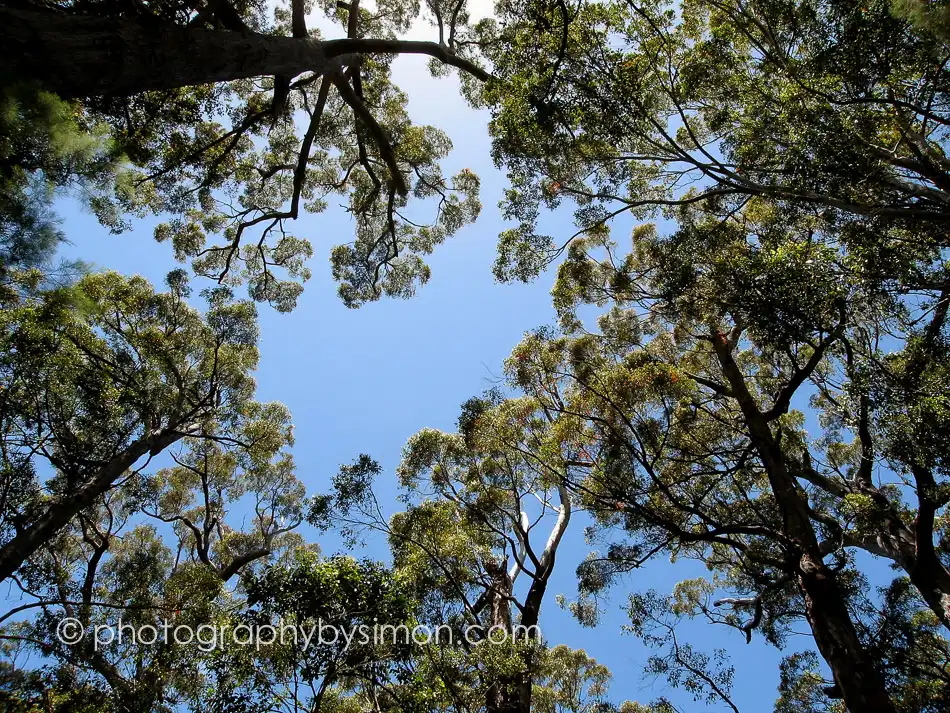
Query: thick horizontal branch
[[336, 48], [81, 56]]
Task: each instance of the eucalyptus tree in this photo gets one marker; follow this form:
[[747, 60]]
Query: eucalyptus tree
[[677, 424], [439, 629], [237, 119], [476, 546], [799, 152], [371, 655], [350, 650], [100, 380], [572, 682], [148, 595]]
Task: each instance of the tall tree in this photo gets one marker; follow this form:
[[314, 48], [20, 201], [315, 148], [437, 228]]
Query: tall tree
[[238, 122], [828, 121], [682, 432], [482, 520], [147, 598], [94, 388]]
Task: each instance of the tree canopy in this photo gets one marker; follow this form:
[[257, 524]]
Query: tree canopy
[[235, 119], [749, 375]]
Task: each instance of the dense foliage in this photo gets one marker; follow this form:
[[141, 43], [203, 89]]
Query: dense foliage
[[750, 375]]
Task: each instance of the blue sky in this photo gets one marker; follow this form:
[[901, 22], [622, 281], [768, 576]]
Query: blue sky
[[365, 380]]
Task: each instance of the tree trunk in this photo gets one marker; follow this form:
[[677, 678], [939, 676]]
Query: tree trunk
[[83, 56], [531, 612], [514, 694], [926, 571], [861, 685], [933, 583], [502, 695]]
